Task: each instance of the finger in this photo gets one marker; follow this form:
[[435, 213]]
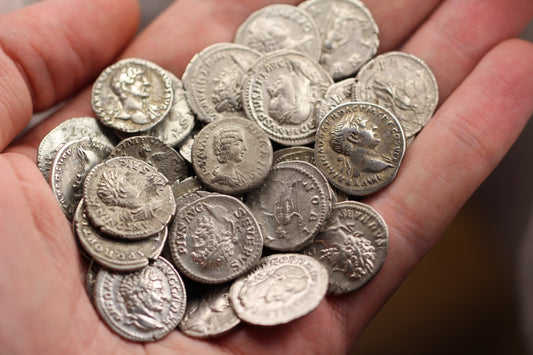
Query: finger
[[459, 33], [450, 158], [51, 49]]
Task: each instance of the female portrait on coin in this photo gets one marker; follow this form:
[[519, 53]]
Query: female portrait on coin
[[229, 149], [132, 95]]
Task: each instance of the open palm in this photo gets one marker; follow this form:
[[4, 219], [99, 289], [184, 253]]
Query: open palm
[[51, 50]]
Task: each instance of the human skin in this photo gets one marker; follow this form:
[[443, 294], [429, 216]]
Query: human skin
[[49, 52]]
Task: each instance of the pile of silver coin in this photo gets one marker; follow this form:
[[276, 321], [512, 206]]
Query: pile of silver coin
[[229, 196]]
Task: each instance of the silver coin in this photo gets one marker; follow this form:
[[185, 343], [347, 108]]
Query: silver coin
[[132, 95], [185, 147], [350, 36], [352, 246], [231, 155], [280, 26], [281, 288], [185, 199], [359, 148], [215, 239], [128, 198], [185, 186], [297, 152], [209, 314], [156, 153], [179, 121], [282, 93], [116, 254], [144, 305], [90, 279], [69, 168], [213, 80], [70, 130], [401, 83], [337, 94], [291, 206]]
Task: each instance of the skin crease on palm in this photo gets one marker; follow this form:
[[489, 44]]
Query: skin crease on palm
[[54, 50]]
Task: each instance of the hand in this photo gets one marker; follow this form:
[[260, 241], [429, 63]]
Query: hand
[[52, 49]]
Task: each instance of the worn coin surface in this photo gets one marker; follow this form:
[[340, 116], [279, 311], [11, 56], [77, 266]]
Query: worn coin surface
[[352, 246], [71, 130], [215, 239], [231, 155], [144, 305], [132, 95], [282, 93], [281, 288], [291, 205], [69, 168], [350, 36], [359, 147], [156, 153], [401, 83], [280, 26], [297, 152], [128, 198], [187, 185], [209, 314], [337, 94], [213, 80], [113, 253]]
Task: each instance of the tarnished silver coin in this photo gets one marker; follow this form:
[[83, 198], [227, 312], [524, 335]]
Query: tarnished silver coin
[[215, 239], [116, 254], [350, 36], [69, 168], [281, 288], [187, 185], [71, 130], [90, 278], [185, 199], [179, 121], [291, 206], [282, 93], [209, 314], [213, 80], [132, 95], [156, 153], [144, 305], [231, 155], [337, 94], [401, 83], [359, 147], [128, 198], [185, 147], [280, 26], [352, 246], [297, 152]]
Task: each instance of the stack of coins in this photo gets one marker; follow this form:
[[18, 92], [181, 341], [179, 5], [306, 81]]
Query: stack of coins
[[230, 196]]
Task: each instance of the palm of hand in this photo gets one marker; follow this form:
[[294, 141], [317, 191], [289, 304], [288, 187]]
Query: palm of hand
[[43, 302]]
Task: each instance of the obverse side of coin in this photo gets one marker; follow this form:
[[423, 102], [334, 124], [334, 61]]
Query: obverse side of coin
[[156, 153], [71, 130], [337, 94], [116, 254], [209, 314], [132, 95], [350, 36], [291, 205], [144, 305], [232, 155], [401, 83], [213, 80], [280, 26], [215, 239], [352, 246], [128, 198], [69, 168], [359, 148], [282, 93], [281, 288]]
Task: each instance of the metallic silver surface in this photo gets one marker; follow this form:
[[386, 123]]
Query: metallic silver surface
[[337, 94]]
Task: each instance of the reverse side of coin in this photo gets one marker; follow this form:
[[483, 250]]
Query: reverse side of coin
[[401, 83], [144, 305], [215, 239], [232, 155], [280, 26], [350, 36], [132, 95], [359, 148], [352, 246], [281, 288], [128, 198]]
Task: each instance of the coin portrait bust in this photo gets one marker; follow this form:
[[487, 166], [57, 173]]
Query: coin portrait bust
[[227, 90], [131, 86], [229, 149]]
